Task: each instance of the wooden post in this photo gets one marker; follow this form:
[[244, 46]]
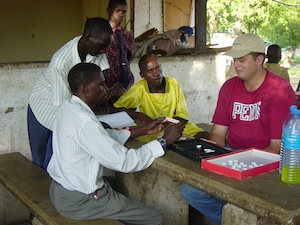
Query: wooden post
[[200, 26]]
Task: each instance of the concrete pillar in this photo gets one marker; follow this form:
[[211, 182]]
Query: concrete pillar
[[232, 215], [156, 190], [11, 210]]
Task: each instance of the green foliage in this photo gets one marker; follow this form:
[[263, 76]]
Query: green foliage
[[276, 23], [297, 60], [283, 27]]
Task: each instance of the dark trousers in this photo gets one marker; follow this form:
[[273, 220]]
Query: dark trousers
[[40, 139]]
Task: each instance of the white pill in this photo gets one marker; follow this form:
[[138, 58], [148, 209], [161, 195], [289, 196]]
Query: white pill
[[207, 150]]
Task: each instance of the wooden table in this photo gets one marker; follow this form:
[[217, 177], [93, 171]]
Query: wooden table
[[263, 199]]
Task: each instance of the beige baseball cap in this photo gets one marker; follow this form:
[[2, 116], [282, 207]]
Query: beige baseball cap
[[246, 43]]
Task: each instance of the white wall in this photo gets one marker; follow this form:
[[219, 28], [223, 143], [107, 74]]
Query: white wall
[[200, 78], [16, 82], [149, 16]]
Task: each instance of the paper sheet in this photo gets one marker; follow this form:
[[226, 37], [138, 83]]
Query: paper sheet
[[117, 120]]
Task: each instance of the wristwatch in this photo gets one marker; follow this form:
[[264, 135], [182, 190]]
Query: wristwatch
[[162, 142]]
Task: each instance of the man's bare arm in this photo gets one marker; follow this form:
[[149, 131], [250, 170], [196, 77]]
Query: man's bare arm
[[218, 134], [274, 146]]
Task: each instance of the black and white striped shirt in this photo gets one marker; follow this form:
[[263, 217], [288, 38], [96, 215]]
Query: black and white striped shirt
[[52, 88]]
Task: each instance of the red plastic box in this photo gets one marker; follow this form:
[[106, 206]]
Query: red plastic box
[[242, 164]]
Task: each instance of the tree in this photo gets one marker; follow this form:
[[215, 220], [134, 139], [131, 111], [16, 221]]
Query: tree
[[273, 21], [283, 26]]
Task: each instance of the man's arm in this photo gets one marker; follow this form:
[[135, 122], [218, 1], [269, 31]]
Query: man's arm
[[218, 134], [172, 131], [274, 146], [181, 119], [150, 128], [137, 116]]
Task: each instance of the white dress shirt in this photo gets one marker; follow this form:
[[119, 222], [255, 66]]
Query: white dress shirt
[[82, 147], [52, 88]]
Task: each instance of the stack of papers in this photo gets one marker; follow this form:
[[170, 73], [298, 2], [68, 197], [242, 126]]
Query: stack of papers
[[117, 120]]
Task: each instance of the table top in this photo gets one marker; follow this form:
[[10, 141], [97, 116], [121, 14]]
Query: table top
[[263, 195]]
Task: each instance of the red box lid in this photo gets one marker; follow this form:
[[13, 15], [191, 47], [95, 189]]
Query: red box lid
[[242, 164]]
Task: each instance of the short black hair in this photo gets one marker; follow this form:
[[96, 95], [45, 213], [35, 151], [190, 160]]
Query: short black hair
[[97, 25], [81, 73], [114, 3], [144, 59], [274, 53]]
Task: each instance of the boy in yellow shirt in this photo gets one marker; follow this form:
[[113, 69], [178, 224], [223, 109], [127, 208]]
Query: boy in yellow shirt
[[157, 96]]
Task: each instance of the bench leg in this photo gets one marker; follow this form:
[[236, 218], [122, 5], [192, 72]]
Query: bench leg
[[156, 190], [233, 215], [11, 210]]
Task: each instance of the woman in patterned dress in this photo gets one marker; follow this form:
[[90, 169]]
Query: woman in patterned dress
[[114, 78]]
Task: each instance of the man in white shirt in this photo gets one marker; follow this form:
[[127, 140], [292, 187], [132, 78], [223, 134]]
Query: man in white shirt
[[82, 147], [52, 86]]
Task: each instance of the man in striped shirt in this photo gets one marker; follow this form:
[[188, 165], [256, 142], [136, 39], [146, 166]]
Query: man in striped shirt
[[82, 147], [52, 88]]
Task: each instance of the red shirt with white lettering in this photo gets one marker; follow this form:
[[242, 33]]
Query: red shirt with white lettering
[[253, 118]]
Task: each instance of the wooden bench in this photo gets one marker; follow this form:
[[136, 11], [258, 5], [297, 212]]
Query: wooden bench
[[30, 184]]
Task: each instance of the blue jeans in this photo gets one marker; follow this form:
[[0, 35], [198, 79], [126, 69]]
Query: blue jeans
[[40, 139], [209, 206]]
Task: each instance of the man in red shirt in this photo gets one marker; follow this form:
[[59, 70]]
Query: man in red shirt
[[250, 111]]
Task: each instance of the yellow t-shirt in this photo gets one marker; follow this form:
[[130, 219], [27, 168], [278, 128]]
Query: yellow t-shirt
[[171, 103]]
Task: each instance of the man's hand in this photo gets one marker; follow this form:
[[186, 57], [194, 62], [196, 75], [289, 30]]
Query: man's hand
[[142, 118], [274, 146], [173, 132], [150, 128], [155, 126]]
